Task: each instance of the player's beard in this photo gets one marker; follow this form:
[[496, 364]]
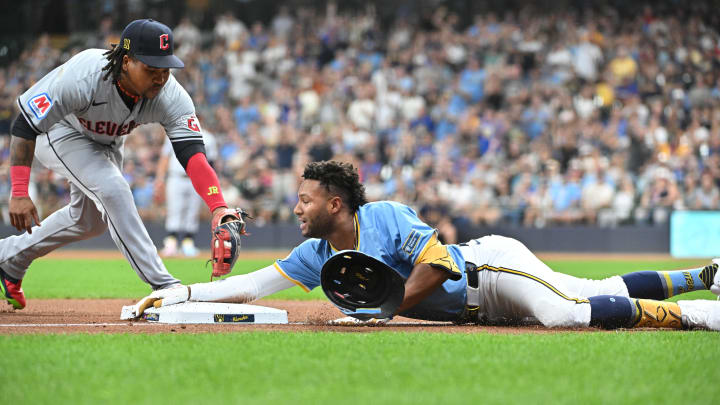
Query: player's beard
[[319, 227]]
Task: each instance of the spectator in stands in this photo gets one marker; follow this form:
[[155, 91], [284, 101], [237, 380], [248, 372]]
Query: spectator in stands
[[707, 196], [658, 198]]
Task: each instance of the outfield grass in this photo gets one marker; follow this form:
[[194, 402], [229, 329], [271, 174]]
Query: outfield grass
[[114, 278], [374, 368]]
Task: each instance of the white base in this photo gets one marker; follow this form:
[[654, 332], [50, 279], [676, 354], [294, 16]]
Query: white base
[[215, 312]]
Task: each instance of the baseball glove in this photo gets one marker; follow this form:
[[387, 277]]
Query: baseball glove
[[227, 226]]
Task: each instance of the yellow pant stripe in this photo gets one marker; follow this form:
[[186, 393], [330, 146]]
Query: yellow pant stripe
[[531, 277]]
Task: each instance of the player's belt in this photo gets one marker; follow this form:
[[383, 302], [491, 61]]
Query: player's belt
[[471, 313], [473, 285]]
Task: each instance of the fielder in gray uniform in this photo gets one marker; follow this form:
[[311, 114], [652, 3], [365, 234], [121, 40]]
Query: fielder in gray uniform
[[73, 121], [181, 201]]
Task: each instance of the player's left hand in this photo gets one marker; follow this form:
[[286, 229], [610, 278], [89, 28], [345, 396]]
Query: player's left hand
[[350, 321]]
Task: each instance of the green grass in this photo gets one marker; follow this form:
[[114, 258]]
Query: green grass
[[382, 367], [114, 278], [372, 368]]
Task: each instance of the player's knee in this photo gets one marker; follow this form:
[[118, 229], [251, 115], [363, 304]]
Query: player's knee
[[96, 229], [565, 314], [114, 191], [91, 226]]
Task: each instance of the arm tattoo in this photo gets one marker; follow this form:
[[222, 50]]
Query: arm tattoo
[[21, 151]]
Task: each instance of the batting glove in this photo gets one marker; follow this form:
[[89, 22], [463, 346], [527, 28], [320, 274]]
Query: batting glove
[[159, 298]]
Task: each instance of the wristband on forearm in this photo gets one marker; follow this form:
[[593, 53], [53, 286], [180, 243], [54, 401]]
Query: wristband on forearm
[[19, 179]]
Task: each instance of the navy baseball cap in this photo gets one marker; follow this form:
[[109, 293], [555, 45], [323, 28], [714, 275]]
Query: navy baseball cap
[[151, 42]]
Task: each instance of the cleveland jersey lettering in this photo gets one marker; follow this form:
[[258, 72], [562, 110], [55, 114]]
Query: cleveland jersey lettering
[[107, 127]]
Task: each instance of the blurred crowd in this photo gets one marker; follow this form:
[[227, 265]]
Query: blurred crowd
[[525, 118]]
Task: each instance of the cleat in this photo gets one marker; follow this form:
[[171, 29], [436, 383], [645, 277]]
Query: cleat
[[704, 314], [169, 247], [715, 287], [188, 248], [10, 287]]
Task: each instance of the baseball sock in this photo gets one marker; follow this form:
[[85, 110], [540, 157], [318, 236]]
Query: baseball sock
[[610, 312], [659, 285]]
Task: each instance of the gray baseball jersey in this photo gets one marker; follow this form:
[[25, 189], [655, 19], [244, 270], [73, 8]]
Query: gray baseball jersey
[[81, 120]]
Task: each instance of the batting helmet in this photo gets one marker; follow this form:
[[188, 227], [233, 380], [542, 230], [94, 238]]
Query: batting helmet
[[362, 286]]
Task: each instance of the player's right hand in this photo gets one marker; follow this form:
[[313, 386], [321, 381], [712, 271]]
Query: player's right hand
[[23, 213]]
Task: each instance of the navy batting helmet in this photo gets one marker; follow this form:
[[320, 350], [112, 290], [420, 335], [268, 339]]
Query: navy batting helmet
[[362, 286]]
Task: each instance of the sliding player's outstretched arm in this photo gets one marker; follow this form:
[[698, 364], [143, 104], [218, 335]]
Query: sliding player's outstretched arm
[[242, 288]]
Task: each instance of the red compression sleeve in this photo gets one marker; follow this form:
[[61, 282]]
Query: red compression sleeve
[[19, 179], [205, 181]]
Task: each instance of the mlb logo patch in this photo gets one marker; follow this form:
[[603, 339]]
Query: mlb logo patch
[[40, 105]]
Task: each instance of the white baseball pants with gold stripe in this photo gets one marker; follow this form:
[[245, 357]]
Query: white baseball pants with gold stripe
[[516, 286]]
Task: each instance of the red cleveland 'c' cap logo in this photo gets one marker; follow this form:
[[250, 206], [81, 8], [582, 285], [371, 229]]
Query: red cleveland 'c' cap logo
[[164, 42]]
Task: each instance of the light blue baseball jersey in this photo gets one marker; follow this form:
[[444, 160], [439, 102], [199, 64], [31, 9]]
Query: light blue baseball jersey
[[392, 233]]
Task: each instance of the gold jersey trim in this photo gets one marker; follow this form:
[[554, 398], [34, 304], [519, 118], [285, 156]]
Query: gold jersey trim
[[299, 284], [436, 254], [356, 226]]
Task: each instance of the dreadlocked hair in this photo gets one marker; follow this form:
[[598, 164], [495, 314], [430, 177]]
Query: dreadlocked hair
[[340, 179], [114, 65]]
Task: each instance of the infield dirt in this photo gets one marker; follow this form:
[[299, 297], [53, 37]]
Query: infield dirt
[[103, 316]]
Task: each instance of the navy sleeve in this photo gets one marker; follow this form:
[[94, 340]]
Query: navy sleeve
[[22, 129]]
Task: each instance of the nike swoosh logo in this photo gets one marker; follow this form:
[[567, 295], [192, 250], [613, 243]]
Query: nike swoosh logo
[[94, 104]]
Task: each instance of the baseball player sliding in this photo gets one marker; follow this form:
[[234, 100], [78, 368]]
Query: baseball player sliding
[[489, 280], [73, 121]]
